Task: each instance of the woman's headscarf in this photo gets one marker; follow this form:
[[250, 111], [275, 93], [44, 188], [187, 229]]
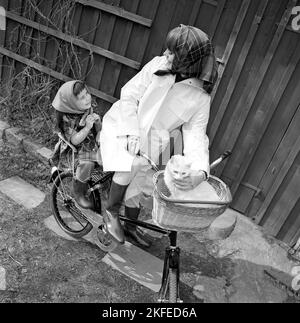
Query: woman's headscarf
[[194, 55], [65, 101]]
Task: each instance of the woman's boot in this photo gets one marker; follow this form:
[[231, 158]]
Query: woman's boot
[[131, 230], [80, 193], [111, 216]]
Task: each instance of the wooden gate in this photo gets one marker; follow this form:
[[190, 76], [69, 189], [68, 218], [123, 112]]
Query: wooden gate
[[255, 110]]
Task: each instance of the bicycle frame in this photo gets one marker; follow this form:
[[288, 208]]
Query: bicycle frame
[[172, 252]]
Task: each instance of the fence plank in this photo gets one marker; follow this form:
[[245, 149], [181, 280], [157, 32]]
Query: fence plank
[[237, 70], [43, 18], [4, 4], [88, 27], [29, 13], [163, 20], [211, 2], [13, 31], [246, 100], [262, 118], [76, 41], [139, 40], [216, 19], [284, 205], [53, 73], [195, 11], [286, 134], [103, 39], [50, 47], [119, 43], [279, 180], [75, 23], [232, 40], [290, 232], [117, 11]]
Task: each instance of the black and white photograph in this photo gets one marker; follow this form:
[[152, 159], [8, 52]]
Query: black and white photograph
[[149, 155]]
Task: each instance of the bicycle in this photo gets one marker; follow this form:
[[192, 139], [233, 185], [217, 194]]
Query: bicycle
[[91, 222]]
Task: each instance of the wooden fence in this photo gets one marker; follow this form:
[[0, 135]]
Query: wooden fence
[[255, 111]]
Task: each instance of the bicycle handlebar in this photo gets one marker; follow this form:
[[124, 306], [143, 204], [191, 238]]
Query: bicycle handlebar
[[212, 166]]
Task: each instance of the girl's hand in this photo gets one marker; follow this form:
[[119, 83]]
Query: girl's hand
[[133, 145], [89, 122], [96, 116], [190, 182]]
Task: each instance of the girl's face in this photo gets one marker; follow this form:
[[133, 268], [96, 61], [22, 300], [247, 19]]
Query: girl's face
[[84, 100], [169, 56]]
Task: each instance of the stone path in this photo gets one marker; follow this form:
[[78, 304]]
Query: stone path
[[22, 192], [2, 278], [247, 246], [128, 259]]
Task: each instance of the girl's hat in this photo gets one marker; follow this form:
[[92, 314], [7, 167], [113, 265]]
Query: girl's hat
[[65, 101]]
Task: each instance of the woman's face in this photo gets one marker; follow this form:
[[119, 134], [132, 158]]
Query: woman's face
[[169, 56], [84, 100]]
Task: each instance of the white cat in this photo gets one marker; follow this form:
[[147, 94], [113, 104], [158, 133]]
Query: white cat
[[179, 167]]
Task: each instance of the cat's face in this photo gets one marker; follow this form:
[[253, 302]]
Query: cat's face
[[179, 167]]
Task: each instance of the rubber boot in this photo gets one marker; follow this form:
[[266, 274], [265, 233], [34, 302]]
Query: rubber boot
[[80, 190], [111, 216], [131, 230]]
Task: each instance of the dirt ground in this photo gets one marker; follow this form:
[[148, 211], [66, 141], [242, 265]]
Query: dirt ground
[[43, 267]]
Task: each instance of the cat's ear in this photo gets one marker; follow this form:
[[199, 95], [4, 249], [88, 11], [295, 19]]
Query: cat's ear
[[172, 160], [189, 164]]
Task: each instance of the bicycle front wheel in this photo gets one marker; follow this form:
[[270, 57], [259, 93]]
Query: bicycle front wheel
[[68, 216], [173, 285]]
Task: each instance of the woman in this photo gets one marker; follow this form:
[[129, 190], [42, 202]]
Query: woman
[[80, 126], [170, 92]]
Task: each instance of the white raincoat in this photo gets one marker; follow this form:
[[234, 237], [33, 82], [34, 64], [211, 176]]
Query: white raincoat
[[151, 107]]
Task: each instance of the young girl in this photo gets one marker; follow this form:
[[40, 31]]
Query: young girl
[[170, 92], [80, 126]]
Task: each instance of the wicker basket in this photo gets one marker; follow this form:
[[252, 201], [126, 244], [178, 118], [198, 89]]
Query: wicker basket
[[178, 215]]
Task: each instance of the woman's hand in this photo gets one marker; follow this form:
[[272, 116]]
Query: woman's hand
[[133, 145], [188, 183]]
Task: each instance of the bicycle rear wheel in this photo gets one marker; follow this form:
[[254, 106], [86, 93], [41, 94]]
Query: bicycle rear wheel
[[68, 216]]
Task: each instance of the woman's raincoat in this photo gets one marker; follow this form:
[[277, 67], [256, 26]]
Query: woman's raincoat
[[151, 107]]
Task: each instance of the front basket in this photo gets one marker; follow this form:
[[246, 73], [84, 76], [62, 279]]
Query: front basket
[[187, 216]]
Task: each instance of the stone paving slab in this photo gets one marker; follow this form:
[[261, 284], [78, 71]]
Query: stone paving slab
[[128, 259], [22, 192], [51, 224], [44, 154], [250, 242], [14, 136], [136, 264], [3, 127], [2, 278]]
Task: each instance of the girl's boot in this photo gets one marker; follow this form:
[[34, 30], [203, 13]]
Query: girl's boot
[[80, 193]]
